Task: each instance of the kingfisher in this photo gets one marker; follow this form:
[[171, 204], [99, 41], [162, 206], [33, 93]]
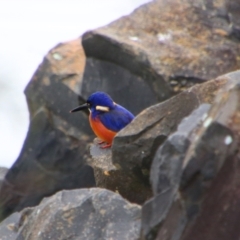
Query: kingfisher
[[106, 117]]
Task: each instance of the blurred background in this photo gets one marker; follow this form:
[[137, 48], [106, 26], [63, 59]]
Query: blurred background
[[28, 30]]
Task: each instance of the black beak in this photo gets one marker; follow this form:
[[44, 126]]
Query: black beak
[[79, 108]]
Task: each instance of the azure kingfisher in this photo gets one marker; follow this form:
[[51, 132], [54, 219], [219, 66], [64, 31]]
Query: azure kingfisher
[[106, 117]]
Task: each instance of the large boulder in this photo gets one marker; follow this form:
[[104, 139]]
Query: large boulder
[[161, 48], [76, 214], [111, 176], [55, 85], [214, 159], [55, 150], [186, 145], [189, 165], [3, 172], [126, 168]]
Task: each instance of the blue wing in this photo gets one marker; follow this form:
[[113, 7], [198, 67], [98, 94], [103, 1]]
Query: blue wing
[[116, 119]]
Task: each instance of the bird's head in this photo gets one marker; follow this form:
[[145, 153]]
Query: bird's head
[[98, 101]]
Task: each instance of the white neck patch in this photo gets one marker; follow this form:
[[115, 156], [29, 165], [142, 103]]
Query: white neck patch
[[102, 108]]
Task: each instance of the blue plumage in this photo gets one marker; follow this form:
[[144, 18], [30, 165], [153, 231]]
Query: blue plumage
[[106, 118], [117, 117]]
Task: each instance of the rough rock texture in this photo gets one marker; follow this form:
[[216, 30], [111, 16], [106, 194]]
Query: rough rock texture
[[10, 225], [54, 152], [3, 172], [233, 9], [161, 48], [187, 166], [76, 214], [126, 168], [55, 85], [187, 145], [165, 177], [113, 177], [134, 147], [219, 141]]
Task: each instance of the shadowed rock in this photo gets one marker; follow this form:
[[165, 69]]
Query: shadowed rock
[[10, 225], [186, 165], [126, 168], [217, 169], [49, 161], [233, 9], [161, 49], [55, 150], [165, 176], [55, 85], [3, 172], [113, 177], [134, 147], [76, 214]]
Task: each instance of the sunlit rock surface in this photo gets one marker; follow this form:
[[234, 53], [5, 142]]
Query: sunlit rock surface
[[161, 48], [77, 214]]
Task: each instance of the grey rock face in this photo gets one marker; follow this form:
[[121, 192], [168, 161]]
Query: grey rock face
[[166, 172], [47, 163], [216, 160], [138, 141], [55, 150], [111, 176], [55, 86], [3, 172], [120, 83], [135, 146], [162, 48], [9, 226], [126, 168], [179, 157], [233, 9], [76, 214], [185, 168]]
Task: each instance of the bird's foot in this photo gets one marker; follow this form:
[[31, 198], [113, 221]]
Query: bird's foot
[[101, 142], [108, 145]]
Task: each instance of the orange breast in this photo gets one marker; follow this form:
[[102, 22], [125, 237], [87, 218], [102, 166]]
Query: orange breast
[[101, 131]]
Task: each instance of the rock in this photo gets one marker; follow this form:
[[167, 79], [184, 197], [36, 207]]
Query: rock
[[136, 144], [49, 161], [113, 177], [185, 168], [220, 209], [162, 48], [165, 176], [187, 148], [126, 168], [233, 10], [134, 147], [76, 214], [3, 172], [55, 85], [10, 225], [54, 153], [127, 88], [217, 169]]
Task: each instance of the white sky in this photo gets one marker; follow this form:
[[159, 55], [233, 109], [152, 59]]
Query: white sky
[[28, 30]]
